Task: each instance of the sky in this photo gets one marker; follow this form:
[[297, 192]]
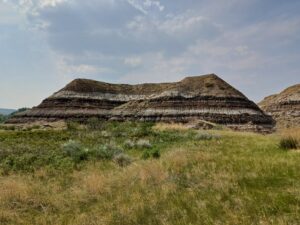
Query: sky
[[252, 44]]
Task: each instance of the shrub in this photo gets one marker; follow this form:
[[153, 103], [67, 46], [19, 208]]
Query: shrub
[[143, 129], [75, 150], [219, 127], [72, 125], [95, 124], [129, 144], [146, 155], [207, 136], [2, 118], [203, 136], [155, 153], [105, 134], [36, 127], [4, 127], [122, 159], [142, 143], [106, 152], [288, 143], [11, 128], [21, 110], [27, 129]]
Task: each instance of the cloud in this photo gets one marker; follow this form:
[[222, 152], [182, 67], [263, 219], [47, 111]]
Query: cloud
[[8, 16], [51, 3], [151, 3], [156, 67], [115, 27], [33, 7], [116, 31], [81, 69], [133, 61], [145, 5]]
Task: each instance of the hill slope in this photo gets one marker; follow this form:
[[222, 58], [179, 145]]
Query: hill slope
[[284, 107], [205, 97], [6, 111]]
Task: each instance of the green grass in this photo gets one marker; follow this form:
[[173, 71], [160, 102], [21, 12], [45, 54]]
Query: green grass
[[228, 178]]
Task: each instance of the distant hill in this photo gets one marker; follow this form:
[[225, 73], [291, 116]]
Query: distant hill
[[284, 107], [6, 111]]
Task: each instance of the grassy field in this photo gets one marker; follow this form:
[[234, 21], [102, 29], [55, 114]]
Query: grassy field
[[138, 173]]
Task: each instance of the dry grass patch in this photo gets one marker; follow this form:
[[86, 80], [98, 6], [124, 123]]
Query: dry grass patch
[[290, 138], [291, 132], [95, 183], [170, 126], [13, 189]]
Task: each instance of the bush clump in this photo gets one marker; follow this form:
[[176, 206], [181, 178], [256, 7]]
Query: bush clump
[[122, 159], [129, 144], [105, 134], [2, 118], [75, 150], [95, 124], [203, 136], [288, 143], [8, 128], [72, 125], [206, 137], [154, 153], [106, 152], [143, 143]]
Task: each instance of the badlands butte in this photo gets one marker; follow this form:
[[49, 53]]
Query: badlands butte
[[200, 98], [284, 107]]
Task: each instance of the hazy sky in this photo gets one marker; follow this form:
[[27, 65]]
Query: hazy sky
[[44, 44]]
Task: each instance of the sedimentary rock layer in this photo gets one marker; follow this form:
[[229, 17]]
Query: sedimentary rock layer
[[203, 97], [284, 107]]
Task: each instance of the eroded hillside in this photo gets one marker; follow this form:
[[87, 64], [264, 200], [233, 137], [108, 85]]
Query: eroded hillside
[[205, 97], [284, 107]]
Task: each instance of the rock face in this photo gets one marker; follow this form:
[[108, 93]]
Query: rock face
[[205, 97], [284, 107]]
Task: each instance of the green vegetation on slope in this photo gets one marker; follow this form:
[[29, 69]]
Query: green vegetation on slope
[[2, 118], [170, 176], [7, 113]]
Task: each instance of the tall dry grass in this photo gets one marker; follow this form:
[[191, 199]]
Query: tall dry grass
[[290, 138], [170, 126], [103, 197], [291, 132]]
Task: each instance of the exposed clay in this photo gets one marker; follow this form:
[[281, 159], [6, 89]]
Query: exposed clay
[[284, 107]]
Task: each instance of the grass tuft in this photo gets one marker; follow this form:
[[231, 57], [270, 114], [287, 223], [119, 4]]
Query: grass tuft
[[288, 143]]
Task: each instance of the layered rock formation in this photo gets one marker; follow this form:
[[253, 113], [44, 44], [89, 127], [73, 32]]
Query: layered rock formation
[[284, 107], [203, 97]]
